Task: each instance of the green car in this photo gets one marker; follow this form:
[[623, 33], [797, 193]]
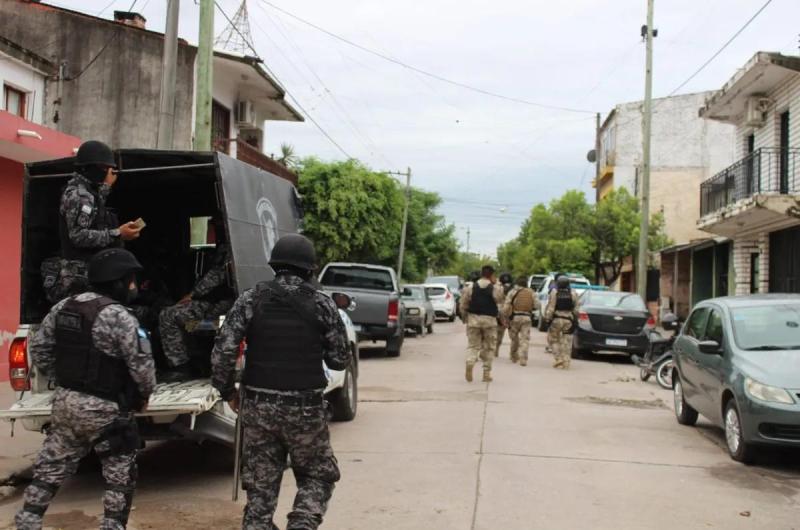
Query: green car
[[737, 362]]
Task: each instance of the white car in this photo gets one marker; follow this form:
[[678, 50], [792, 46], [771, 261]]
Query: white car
[[443, 301], [578, 283]]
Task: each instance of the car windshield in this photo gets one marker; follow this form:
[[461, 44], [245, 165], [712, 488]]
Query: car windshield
[[767, 327], [450, 281], [436, 291], [615, 300], [413, 293], [358, 277]]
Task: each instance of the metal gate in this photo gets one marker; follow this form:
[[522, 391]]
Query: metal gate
[[784, 261]]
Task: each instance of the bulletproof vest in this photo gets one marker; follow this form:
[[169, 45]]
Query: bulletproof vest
[[564, 300], [104, 218], [523, 301], [284, 340], [482, 301], [80, 365]]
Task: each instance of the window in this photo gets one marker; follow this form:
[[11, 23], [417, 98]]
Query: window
[[358, 278], [220, 127], [755, 276], [714, 328], [14, 101], [697, 323]]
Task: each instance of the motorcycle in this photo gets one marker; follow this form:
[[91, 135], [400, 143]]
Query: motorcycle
[[657, 359]]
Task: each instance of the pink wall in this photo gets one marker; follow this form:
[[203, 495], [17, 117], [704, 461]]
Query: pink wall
[[10, 231]]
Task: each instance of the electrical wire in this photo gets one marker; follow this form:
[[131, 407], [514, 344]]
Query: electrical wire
[[425, 72], [97, 56]]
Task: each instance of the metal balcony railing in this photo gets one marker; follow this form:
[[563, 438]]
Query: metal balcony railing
[[765, 170]]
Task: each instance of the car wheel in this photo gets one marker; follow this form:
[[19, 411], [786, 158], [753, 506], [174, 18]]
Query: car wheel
[[577, 353], [344, 402], [739, 450], [684, 413], [420, 331], [394, 345], [451, 318], [541, 326]]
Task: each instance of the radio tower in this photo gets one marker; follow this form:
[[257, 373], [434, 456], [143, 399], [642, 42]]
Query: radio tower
[[236, 36]]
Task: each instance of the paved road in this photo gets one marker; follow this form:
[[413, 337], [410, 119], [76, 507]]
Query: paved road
[[536, 449]]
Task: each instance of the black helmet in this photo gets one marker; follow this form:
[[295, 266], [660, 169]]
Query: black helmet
[[94, 153], [474, 276], [295, 250], [506, 278], [562, 282], [112, 264]]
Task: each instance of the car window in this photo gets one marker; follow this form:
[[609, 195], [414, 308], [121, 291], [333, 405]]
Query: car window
[[767, 327], [436, 291], [714, 327], [358, 277], [696, 325], [613, 299], [414, 293]]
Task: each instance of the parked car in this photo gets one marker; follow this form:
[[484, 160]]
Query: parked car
[[736, 363], [578, 282], [379, 314], [444, 302], [535, 281], [252, 205], [420, 314], [612, 321], [454, 283]]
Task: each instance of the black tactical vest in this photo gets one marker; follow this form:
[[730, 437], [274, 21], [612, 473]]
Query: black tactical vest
[[564, 300], [284, 340], [104, 218], [482, 301], [79, 364]]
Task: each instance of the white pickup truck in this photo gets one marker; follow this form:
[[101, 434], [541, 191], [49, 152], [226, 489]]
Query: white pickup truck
[[171, 190]]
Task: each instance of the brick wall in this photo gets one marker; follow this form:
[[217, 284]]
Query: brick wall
[[742, 250]]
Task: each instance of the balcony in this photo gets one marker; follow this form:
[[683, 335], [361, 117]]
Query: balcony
[[757, 192], [250, 155]]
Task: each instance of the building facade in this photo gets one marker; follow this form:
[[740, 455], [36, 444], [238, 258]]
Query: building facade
[[754, 201]]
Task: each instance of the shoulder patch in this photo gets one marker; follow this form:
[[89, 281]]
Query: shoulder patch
[[86, 209]]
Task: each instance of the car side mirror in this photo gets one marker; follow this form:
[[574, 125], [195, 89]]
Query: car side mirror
[[343, 301], [710, 347]]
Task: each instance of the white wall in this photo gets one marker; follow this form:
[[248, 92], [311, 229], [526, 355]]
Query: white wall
[[25, 78]]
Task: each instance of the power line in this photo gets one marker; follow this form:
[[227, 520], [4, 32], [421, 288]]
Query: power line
[[300, 106], [425, 72], [763, 7], [106, 45]]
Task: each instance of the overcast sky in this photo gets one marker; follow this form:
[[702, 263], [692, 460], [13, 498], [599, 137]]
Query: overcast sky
[[489, 158]]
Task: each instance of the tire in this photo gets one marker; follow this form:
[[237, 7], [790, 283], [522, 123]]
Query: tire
[[577, 353], [344, 402], [541, 326], [451, 318], [739, 450], [644, 374], [664, 373], [394, 345], [684, 413], [420, 331]]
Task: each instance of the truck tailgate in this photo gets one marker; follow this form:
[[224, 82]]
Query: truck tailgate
[[190, 397], [372, 307]]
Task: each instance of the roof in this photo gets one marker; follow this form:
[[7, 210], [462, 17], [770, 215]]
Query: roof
[[761, 74], [696, 244], [751, 300], [26, 56]]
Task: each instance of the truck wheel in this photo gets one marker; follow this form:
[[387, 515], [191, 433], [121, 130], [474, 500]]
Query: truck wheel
[[393, 346], [344, 402], [451, 318], [420, 331]]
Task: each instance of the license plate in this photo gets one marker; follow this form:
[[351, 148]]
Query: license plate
[[616, 342]]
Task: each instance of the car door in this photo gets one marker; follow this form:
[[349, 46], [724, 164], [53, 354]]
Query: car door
[[710, 367], [687, 353]]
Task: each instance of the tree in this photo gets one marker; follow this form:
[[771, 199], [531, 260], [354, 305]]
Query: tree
[[465, 263], [288, 157], [430, 242]]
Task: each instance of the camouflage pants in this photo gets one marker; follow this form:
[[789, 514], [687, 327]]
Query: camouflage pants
[[481, 341], [172, 325], [79, 420], [519, 330], [271, 433], [562, 342], [62, 278], [501, 331]]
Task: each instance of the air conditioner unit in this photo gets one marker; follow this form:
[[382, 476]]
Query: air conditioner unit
[[246, 114], [755, 111]]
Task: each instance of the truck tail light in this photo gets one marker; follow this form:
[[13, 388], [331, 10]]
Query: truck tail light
[[18, 365], [584, 316], [651, 322], [394, 307]]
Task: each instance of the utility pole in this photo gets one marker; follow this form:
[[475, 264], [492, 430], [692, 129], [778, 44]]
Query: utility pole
[[597, 158], [406, 174], [641, 262], [166, 116], [205, 76]]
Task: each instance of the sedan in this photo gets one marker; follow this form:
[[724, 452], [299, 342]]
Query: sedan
[[420, 314], [737, 362], [612, 321], [444, 302]]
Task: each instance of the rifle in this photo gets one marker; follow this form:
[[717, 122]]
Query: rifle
[[237, 446]]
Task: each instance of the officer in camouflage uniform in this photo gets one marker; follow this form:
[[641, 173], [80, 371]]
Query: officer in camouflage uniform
[[85, 225], [290, 328], [211, 297], [480, 303], [551, 333], [92, 409], [562, 313], [520, 303], [507, 281]]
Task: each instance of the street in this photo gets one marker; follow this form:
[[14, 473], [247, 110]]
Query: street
[[592, 447]]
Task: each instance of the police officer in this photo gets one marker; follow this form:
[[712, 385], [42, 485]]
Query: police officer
[[562, 313], [92, 407], [480, 302], [551, 333], [507, 282], [520, 303], [85, 225], [290, 328]]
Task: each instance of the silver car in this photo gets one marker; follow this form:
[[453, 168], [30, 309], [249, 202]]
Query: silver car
[[420, 314]]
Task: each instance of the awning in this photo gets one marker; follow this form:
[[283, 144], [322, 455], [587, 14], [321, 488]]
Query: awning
[[24, 141]]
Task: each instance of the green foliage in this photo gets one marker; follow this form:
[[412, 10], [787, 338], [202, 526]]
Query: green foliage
[[355, 214], [463, 264]]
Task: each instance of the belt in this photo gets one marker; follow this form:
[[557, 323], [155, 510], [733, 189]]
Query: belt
[[522, 313], [308, 399]]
